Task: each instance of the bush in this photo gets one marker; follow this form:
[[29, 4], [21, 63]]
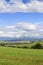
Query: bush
[[25, 47], [2, 44], [37, 46]]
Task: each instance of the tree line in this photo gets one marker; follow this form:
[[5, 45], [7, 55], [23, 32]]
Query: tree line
[[36, 46]]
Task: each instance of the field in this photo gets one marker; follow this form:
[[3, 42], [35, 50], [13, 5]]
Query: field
[[20, 44], [19, 56]]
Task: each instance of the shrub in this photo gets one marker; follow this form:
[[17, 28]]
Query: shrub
[[24, 47], [37, 46], [2, 44]]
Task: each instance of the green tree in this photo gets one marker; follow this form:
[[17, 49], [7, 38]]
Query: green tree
[[37, 46]]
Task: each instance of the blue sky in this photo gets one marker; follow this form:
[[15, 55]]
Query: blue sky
[[13, 18], [21, 18]]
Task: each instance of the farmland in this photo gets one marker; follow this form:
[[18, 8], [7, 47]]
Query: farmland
[[15, 54], [20, 44], [20, 56]]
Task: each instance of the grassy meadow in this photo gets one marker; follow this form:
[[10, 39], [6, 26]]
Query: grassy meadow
[[20, 56]]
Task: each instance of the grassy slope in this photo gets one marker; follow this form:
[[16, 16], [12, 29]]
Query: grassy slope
[[18, 56]]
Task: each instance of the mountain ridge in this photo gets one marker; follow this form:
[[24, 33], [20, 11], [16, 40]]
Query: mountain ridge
[[19, 39]]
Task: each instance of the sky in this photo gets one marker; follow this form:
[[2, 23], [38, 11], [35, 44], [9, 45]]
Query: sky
[[21, 18]]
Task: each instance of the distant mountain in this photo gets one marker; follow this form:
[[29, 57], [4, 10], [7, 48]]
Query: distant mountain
[[6, 38], [19, 39]]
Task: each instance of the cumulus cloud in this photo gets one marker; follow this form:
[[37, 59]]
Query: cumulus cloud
[[22, 29], [13, 6]]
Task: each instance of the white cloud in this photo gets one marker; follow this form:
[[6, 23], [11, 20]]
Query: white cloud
[[18, 6], [27, 25], [1, 32], [22, 29]]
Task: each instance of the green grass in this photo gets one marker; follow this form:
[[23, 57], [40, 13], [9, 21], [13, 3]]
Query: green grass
[[18, 56]]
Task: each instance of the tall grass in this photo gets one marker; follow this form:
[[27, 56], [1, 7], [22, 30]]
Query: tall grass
[[18, 56]]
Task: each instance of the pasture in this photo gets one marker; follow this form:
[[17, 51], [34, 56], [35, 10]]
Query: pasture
[[19, 56]]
